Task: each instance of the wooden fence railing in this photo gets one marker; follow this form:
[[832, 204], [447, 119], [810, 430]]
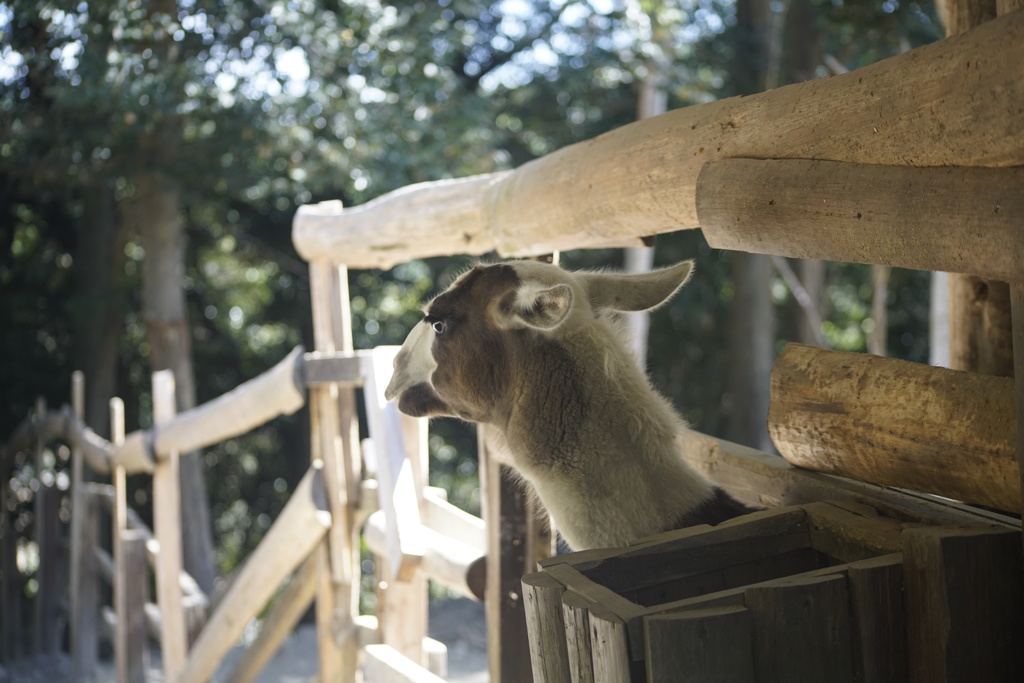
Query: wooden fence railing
[[906, 162], [847, 168]]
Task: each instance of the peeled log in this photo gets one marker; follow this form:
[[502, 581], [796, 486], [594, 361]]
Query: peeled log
[[895, 423], [956, 102]]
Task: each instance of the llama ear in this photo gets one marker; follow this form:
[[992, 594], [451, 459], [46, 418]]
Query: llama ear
[[542, 308], [639, 292]]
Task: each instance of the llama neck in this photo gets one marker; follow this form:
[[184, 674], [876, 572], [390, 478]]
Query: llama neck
[[585, 395]]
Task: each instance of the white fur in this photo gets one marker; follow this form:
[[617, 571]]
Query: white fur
[[583, 424]]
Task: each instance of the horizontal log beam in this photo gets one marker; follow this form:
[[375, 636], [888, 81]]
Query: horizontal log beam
[[956, 102], [278, 391], [963, 220], [759, 478], [848, 414]]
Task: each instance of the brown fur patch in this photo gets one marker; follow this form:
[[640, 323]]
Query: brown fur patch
[[471, 355]]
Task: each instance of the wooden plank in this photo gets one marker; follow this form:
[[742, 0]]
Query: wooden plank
[[699, 646], [445, 518], [83, 591], [132, 646], [445, 560], [384, 664], [293, 537], [337, 367], [288, 609], [51, 557], [879, 624], [609, 647], [511, 552], [851, 533], [846, 413], [402, 601], [397, 491], [921, 108], [167, 530], [542, 595], [950, 219], [576, 616], [683, 552], [801, 630], [1017, 294], [965, 612], [334, 440]]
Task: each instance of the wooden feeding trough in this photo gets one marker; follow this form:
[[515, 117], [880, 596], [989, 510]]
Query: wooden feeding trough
[[819, 592]]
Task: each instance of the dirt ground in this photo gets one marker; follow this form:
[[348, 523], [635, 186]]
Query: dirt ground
[[458, 623]]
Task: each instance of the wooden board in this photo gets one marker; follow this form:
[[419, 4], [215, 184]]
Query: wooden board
[[699, 646], [542, 596], [956, 102], [950, 219], [964, 608]]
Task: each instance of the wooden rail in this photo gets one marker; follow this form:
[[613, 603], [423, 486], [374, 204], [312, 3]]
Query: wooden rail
[[956, 102]]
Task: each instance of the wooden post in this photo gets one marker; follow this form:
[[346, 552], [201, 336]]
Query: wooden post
[[513, 549], [610, 653], [546, 628], [801, 630], [83, 589], [167, 530], [964, 608], [576, 615], [402, 601], [50, 561], [699, 645], [980, 329], [335, 442], [879, 624], [131, 646], [129, 580]]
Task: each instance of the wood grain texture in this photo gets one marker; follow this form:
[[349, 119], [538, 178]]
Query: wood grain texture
[[699, 646], [545, 625], [801, 630], [964, 608], [951, 219], [897, 423], [952, 103]]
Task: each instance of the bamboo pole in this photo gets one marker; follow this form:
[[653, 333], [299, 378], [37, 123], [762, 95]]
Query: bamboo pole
[[955, 102]]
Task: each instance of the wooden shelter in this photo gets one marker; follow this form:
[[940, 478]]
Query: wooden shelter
[[923, 172]]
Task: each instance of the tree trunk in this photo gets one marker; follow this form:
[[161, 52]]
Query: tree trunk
[[98, 314], [752, 314], [653, 101], [154, 212], [980, 330], [751, 341]]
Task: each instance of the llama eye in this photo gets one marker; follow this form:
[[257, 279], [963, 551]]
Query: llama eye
[[439, 325]]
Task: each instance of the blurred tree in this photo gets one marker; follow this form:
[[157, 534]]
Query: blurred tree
[[245, 110]]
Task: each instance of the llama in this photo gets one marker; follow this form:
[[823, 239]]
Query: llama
[[538, 353]]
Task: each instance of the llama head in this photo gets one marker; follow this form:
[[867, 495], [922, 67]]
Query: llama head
[[457, 360]]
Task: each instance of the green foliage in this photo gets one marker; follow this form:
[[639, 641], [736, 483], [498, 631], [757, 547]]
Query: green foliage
[[269, 105]]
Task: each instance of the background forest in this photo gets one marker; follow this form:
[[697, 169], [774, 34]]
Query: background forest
[[153, 154]]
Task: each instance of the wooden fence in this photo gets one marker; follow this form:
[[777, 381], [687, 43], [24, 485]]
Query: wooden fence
[[907, 162]]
